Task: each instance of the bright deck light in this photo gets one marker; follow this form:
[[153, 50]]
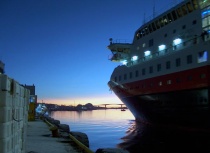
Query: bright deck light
[[124, 62], [134, 58], [177, 41], [162, 47], [147, 53]]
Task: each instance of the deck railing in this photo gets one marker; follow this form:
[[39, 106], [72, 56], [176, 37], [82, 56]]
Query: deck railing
[[170, 50]]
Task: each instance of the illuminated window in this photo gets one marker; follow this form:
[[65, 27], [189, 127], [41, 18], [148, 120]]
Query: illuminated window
[[143, 45], [169, 82], [147, 53], [161, 47], [202, 56], [124, 62], [134, 58], [160, 83], [177, 41]]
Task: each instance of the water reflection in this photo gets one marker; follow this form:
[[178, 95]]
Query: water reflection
[[142, 138], [103, 127]]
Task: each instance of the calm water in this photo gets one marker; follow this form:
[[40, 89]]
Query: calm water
[[116, 128], [104, 128]]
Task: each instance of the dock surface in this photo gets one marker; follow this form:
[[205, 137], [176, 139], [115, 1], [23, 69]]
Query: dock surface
[[39, 140]]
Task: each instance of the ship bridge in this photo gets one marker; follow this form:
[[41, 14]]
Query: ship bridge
[[120, 50]]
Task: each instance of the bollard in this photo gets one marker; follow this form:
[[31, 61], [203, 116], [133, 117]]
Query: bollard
[[54, 130]]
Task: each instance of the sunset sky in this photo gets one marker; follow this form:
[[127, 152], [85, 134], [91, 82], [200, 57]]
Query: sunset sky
[[60, 46]]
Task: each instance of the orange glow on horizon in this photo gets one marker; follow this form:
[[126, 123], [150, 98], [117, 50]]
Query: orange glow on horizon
[[95, 100]]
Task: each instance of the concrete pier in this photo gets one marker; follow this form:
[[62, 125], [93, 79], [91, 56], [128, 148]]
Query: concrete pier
[[39, 140]]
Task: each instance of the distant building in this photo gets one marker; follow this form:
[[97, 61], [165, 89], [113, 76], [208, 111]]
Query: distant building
[[33, 96]]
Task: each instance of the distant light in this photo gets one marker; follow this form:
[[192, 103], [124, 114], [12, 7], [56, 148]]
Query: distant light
[[162, 47], [205, 12], [177, 41], [124, 62], [134, 58], [147, 53]]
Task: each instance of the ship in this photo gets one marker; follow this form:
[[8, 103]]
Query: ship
[[164, 73]]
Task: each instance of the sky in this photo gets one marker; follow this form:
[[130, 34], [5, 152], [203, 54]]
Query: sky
[[60, 46]]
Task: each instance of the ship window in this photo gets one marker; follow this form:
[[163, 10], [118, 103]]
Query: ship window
[[161, 21], [165, 35], [146, 30], [150, 69], [174, 15], [157, 24], [202, 56], [184, 9], [165, 20], [150, 28], [159, 67], [177, 41], [144, 45], [169, 82], [134, 58], [189, 59], [195, 4], [124, 62], [168, 65], [203, 76], [184, 27], [169, 17], [153, 26], [178, 80], [179, 12], [189, 6], [174, 31], [147, 53], [151, 42], [194, 22], [160, 83], [131, 75], [206, 21], [178, 62], [137, 73], [125, 76], [143, 71], [161, 47], [189, 78]]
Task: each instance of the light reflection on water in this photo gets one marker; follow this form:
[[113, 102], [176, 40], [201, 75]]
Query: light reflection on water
[[115, 128], [104, 128]]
